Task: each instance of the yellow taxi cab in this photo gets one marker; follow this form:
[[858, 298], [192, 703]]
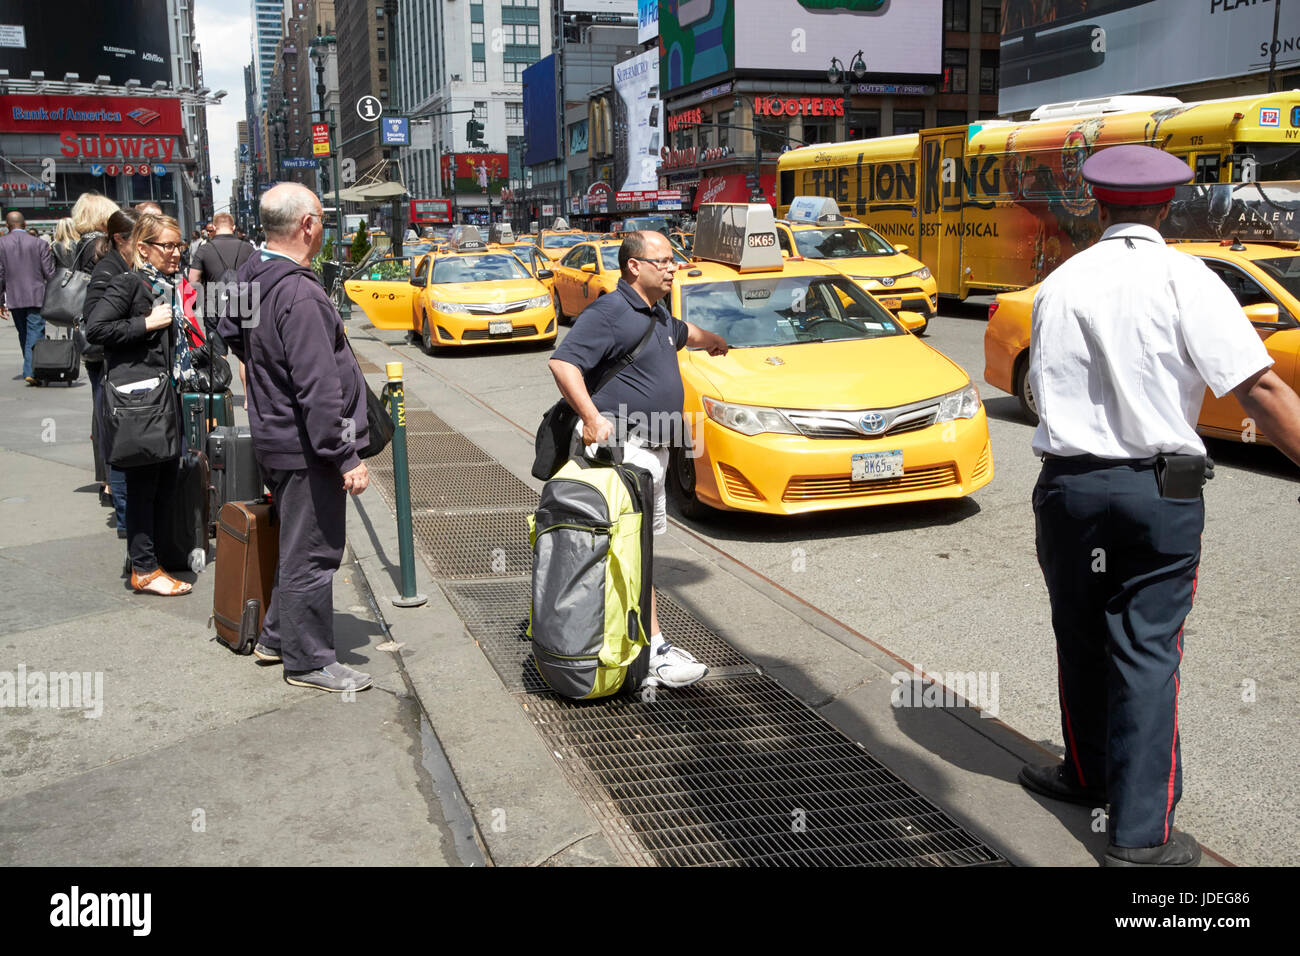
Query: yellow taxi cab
[[539, 266], [586, 272], [557, 240], [825, 399], [468, 296], [1265, 278], [682, 240], [814, 229]]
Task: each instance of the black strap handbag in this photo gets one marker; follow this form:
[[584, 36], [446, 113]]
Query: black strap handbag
[[379, 424], [555, 435], [142, 426], [65, 292]]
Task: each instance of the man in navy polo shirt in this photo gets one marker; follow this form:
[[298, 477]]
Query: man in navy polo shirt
[[645, 398]]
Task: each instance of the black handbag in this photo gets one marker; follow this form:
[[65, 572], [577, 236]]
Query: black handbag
[[141, 427], [65, 292], [379, 424], [553, 443]]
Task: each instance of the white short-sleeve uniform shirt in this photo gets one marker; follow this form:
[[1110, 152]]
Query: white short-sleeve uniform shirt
[[1126, 336]]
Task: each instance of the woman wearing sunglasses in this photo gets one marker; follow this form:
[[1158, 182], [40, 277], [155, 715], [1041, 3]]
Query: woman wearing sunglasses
[[135, 319]]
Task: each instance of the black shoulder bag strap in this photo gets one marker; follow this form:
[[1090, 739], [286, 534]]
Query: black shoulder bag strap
[[627, 359]]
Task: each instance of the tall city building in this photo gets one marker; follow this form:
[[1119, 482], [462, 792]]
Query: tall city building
[[364, 38], [458, 61], [268, 27]]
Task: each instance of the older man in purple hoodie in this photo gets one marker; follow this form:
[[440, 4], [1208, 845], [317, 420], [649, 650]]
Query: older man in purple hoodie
[[307, 412], [26, 263]]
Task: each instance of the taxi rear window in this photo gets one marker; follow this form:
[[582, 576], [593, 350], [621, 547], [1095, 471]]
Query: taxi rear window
[[847, 242], [562, 242], [491, 268], [759, 312]]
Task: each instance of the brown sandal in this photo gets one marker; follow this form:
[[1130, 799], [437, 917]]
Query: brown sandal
[[142, 582]]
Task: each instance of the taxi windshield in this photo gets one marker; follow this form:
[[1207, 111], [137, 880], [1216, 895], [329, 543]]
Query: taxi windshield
[[564, 241], [757, 312], [489, 268], [1284, 270], [846, 242]]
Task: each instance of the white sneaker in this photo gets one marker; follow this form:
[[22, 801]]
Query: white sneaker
[[673, 667]]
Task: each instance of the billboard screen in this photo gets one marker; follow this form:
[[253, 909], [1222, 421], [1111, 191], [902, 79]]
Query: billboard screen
[[704, 38], [475, 173], [1071, 51], [123, 40], [541, 105], [647, 20], [638, 119]]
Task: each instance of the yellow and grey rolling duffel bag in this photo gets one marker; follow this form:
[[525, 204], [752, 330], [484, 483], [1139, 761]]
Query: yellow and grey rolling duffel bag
[[592, 545]]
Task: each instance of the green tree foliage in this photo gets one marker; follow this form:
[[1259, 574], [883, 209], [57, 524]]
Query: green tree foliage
[[361, 243]]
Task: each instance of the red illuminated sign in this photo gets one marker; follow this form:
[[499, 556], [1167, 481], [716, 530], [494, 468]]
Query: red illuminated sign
[[127, 115], [685, 118], [799, 106]]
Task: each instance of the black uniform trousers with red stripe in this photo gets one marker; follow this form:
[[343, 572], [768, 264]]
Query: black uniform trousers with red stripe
[[1120, 564]]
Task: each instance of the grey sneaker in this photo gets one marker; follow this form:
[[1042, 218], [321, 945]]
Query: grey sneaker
[[335, 678], [269, 655], [671, 666]]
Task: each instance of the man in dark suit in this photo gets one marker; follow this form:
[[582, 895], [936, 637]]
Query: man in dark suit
[[26, 264]]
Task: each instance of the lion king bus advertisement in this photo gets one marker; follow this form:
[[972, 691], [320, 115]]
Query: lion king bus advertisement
[[998, 205]]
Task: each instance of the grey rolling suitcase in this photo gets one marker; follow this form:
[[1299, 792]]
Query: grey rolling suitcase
[[235, 475]]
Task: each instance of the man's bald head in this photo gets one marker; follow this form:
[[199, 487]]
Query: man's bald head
[[148, 209], [15, 221], [283, 208]]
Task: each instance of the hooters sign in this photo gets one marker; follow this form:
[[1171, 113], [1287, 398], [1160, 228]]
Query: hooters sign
[[799, 106]]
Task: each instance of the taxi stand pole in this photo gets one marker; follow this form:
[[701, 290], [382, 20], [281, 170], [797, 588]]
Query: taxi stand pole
[[402, 488]]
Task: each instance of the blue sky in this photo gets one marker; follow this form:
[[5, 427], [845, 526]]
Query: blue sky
[[224, 31]]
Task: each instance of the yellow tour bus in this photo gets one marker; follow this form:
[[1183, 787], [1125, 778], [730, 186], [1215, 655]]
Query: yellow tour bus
[[998, 205]]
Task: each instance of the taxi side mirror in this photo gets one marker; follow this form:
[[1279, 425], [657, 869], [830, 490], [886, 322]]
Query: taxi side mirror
[[545, 274], [911, 320], [900, 248], [1263, 313], [589, 267], [421, 281]]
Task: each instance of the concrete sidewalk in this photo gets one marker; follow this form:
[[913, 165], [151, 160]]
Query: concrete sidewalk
[[196, 755]]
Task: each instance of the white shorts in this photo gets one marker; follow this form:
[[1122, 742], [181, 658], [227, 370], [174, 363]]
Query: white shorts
[[655, 461]]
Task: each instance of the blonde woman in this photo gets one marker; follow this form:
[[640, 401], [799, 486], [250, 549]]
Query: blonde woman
[[134, 321], [89, 224], [64, 245]]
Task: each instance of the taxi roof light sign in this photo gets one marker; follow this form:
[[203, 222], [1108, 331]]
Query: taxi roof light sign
[[466, 237], [813, 209], [741, 235], [502, 232], [560, 225]]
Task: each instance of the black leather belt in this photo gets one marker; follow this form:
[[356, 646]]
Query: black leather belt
[[1095, 461]]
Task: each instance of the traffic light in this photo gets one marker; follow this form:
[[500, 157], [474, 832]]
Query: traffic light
[[474, 133]]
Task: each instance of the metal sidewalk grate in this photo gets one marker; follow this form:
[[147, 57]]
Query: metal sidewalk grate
[[496, 616], [421, 421], [473, 487], [438, 448], [368, 367], [464, 545], [740, 772]]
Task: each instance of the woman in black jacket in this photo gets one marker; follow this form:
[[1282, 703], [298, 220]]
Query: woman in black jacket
[[112, 264], [136, 329]]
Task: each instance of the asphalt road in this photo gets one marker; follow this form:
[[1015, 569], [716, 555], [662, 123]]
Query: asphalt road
[[955, 587]]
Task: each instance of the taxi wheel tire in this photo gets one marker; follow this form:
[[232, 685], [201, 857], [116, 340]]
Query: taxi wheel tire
[[559, 313], [1025, 394], [681, 484], [426, 338]]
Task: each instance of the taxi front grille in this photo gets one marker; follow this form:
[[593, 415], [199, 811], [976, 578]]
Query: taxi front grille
[[480, 335], [982, 466], [488, 310], [827, 424], [736, 485], [810, 488]]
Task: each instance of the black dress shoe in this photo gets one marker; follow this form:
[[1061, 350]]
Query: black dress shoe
[[1050, 780], [1180, 850]]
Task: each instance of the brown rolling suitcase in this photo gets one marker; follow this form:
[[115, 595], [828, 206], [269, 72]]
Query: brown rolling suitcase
[[248, 547]]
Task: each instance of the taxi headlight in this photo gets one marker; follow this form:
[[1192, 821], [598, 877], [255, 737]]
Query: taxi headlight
[[449, 308], [748, 419], [921, 273], [963, 403], [540, 302]]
